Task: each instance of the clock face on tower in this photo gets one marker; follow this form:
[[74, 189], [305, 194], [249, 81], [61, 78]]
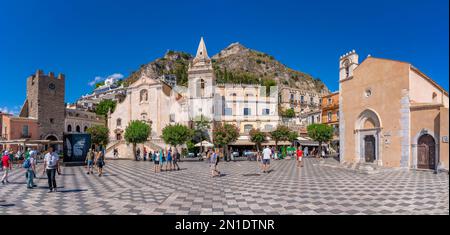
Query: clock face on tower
[[52, 86]]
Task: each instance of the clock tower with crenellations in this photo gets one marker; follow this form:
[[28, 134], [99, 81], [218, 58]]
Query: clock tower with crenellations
[[45, 102]]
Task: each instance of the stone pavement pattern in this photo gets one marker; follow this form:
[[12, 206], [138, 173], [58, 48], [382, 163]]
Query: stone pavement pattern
[[131, 188]]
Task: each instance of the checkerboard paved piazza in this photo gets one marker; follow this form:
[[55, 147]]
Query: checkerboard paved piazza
[[130, 188]]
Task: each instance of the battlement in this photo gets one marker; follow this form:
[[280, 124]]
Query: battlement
[[353, 52], [40, 74]]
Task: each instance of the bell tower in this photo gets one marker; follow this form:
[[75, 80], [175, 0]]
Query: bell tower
[[201, 83], [347, 64]]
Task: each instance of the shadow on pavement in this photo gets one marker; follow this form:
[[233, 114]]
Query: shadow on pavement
[[72, 191], [7, 205]]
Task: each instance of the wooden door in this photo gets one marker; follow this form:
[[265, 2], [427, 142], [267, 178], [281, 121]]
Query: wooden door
[[426, 152], [369, 149]]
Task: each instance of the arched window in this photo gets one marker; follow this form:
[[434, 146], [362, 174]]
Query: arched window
[[69, 128], [144, 96], [78, 129], [201, 85], [119, 122], [85, 129], [346, 65]]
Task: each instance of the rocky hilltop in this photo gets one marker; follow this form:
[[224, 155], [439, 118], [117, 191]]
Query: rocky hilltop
[[234, 64]]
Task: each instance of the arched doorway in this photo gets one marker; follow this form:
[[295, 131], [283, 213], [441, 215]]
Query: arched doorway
[[426, 152], [368, 128]]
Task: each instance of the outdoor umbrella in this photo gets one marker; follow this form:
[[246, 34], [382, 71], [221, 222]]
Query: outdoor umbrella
[[204, 144]]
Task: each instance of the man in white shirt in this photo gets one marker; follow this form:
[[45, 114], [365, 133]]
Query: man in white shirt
[[267, 154], [51, 161]]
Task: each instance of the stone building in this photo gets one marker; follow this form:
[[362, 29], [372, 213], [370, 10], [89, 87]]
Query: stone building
[[78, 121], [17, 128], [299, 100], [391, 114], [109, 91], [45, 103], [248, 107]]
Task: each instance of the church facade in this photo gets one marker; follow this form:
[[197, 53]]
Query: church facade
[[159, 104], [391, 114]]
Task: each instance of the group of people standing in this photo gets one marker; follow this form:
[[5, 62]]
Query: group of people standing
[[51, 167], [95, 159], [165, 159]]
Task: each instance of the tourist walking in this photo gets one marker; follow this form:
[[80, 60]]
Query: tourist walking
[[100, 162], [138, 154], [267, 154], [30, 165], [175, 159], [7, 167], [145, 154], [161, 160], [155, 157], [90, 160], [116, 153], [214, 162], [169, 160], [259, 161], [299, 157], [51, 164]]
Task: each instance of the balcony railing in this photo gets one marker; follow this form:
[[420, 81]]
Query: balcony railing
[[25, 136]]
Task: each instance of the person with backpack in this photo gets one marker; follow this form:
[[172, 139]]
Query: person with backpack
[[51, 164], [7, 167], [100, 162], [30, 165], [90, 161]]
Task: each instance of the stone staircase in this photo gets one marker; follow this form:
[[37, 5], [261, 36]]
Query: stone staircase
[[126, 150]]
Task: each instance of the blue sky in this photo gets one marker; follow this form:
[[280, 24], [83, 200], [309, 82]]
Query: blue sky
[[85, 39]]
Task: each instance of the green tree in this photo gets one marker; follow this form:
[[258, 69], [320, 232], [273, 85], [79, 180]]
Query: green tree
[[289, 113], [99, 84], [293, 136], [201, 127], [137, 132], [280, 134], [257, 137], [268, 83], [176, 135], [224, 134], [321, 133], [99, 135], [105, 106]]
